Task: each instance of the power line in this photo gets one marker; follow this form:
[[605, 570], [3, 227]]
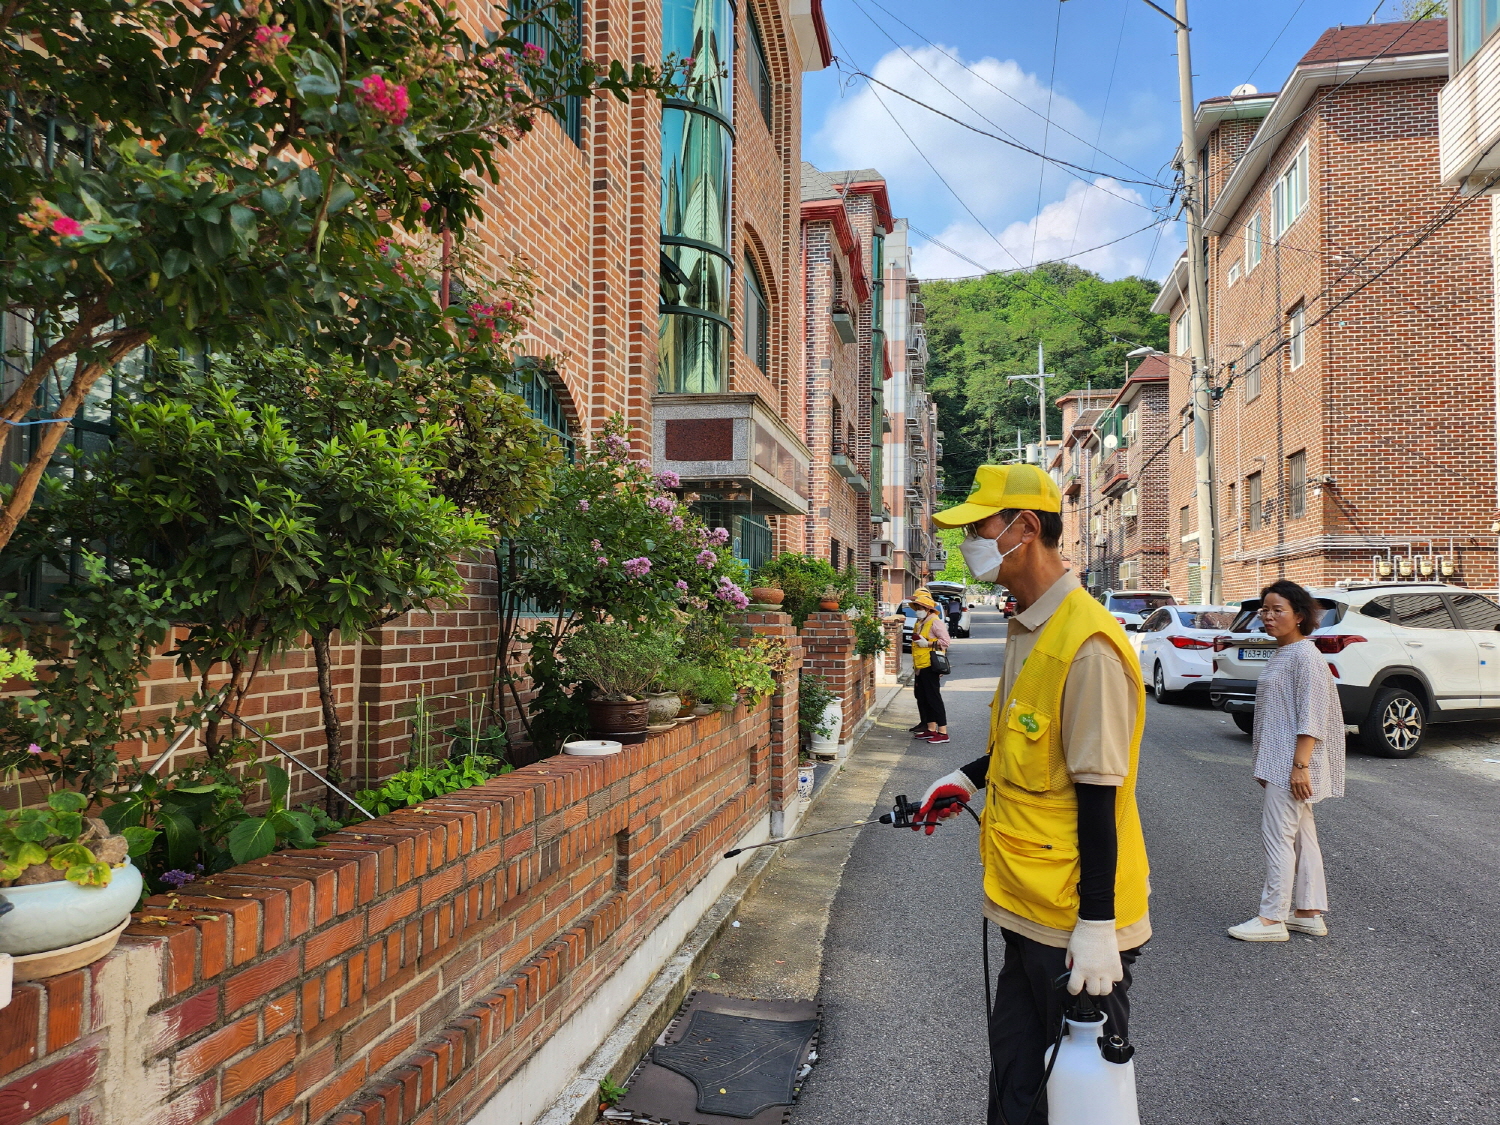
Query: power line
[[998, 89], [857, 73], [1277, 40], [1023, 269], [981, 115], [1041, 175], [1103, 112]]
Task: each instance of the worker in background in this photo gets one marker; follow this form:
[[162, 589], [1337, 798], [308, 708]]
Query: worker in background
[[1065, 872]]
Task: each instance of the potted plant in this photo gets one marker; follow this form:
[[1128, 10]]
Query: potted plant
[[829, 602], [621, 663], [664, 702], [68, 883]]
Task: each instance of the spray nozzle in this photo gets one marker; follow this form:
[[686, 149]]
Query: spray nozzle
[[904, 812]]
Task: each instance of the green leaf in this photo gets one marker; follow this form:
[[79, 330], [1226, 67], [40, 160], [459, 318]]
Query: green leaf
[[65, 856], [242, 219], [184, 841], [93, 874], [140, 839], [175, 262], [277, 783], [68, 801], [251, 838], [340, 197]]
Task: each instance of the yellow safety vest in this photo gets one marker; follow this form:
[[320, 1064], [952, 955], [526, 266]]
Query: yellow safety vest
[[922, 657], [1029, 837]]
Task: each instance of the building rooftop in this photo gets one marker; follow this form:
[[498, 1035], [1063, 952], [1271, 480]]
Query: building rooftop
[[1379, 40], [817, 184]]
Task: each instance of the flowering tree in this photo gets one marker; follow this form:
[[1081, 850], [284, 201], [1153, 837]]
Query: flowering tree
[[241, 168]]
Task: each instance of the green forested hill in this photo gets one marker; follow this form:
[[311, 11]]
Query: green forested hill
[[981, 330]]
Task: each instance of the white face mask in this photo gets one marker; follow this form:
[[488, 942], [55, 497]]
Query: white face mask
[[984, 557]]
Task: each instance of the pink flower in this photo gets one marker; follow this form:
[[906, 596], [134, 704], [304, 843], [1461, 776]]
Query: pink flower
[[662, 504], [676, 523], [384, 99], [615, 445], [533, 54], [681, 585], [33, 749], [66, 227], [729, 592], [719, 535], [707, 557], [637, 568], [261, 95], [601, 561], [583, 505], [267, 43], [424, 206], [669, 479]]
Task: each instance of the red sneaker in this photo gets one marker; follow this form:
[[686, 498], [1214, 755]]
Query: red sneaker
[[936, 739]]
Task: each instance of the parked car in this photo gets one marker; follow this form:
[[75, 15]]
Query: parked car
[[1403, 656], [907, 626], [948, 594], [1008, 606], [1176, 647], [1131, 607]]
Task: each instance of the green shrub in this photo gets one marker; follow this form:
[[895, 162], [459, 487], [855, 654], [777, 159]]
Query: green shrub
[[804, 578], [814, 696]]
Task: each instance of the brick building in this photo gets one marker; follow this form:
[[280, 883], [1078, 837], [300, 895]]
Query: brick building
[[1074, 469], [846, 220], [913, 445], [1351, 329]]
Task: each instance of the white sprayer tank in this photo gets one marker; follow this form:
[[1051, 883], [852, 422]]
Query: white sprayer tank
[[1085, 1088]]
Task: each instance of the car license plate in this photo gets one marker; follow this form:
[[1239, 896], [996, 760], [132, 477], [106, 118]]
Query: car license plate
[[1255, 653]]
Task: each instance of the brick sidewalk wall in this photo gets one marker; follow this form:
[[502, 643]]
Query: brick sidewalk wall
[[404, 971]]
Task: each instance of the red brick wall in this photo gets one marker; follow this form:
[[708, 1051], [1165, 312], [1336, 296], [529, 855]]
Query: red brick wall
[[828, 651], [404, 971], [1395, 400]]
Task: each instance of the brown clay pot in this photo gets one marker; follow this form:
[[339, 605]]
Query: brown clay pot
[[766, 595], [620, 720], [829, 605]]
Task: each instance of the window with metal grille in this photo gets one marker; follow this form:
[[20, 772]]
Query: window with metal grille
[[1296, 472], [1254, 511], [553, 34], [834, 551], [757, 318], [757, 72], [1185, 519], [1252, 373], [1296, 330]]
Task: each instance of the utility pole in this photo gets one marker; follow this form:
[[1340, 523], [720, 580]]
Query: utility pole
[[1197, 302], [1039, 381]]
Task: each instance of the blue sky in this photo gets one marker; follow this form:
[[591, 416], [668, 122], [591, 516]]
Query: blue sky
[[1112, 101]]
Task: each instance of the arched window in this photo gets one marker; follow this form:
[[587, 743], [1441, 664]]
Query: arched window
[[538, 388], [757, 341]]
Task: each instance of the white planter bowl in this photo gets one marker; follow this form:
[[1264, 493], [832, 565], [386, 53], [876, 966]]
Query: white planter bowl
[[56, 915], [592, 748]]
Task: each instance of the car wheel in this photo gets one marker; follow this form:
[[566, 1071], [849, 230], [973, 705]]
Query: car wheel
[[1159, 686], [1395, 726], [1245, 720]]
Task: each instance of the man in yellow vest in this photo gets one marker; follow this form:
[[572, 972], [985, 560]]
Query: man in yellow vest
[[1065, 873]]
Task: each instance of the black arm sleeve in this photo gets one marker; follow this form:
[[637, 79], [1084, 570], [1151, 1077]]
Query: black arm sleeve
[[978, 771], [1097, 851]]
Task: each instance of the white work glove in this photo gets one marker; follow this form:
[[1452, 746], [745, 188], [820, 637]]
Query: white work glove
[[1094, 957], [955, 784]]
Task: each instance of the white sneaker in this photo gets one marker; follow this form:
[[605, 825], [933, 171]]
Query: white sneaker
[[1256, 930], [1314, 925]]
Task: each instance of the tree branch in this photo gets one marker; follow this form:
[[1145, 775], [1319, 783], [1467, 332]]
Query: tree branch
[[22, 398]]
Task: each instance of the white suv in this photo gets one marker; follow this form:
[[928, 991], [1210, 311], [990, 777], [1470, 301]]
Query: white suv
[[1131, 607], [1402, 655]]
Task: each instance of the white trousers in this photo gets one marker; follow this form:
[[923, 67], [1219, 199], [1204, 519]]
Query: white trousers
[[1294, 862]]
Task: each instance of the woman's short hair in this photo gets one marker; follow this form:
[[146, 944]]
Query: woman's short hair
[[1305, 607]]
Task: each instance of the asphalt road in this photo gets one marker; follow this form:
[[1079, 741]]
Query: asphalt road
[[1393, 1018]]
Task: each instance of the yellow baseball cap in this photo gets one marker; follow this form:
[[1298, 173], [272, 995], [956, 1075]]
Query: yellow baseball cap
[[999, 487]]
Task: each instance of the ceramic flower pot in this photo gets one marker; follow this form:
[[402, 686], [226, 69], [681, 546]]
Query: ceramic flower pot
[[765, 595], [621, 720], [829, 605], [702, 709], [48, 916], [662, 707]]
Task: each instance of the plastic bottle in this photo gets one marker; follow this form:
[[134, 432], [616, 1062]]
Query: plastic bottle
[[1086, 1089]]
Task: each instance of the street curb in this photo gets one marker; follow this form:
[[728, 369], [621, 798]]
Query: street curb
[[635, 1034]]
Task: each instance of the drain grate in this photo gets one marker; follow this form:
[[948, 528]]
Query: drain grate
[[726, 1061]]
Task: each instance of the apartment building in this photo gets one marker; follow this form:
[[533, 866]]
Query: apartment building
[[1351, 329], [846, 217], [1073, 470]]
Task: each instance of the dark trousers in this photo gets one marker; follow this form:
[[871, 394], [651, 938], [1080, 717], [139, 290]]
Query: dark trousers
[[928, 687], [1024, 1021]]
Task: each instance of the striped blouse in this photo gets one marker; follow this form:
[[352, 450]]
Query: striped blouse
[[1296, 695]]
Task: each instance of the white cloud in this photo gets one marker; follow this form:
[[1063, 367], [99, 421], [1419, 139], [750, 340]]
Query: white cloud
[[1087, 218], [1000, 183]]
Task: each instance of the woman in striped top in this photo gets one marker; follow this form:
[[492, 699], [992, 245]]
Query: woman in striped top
[[1299, 761]]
